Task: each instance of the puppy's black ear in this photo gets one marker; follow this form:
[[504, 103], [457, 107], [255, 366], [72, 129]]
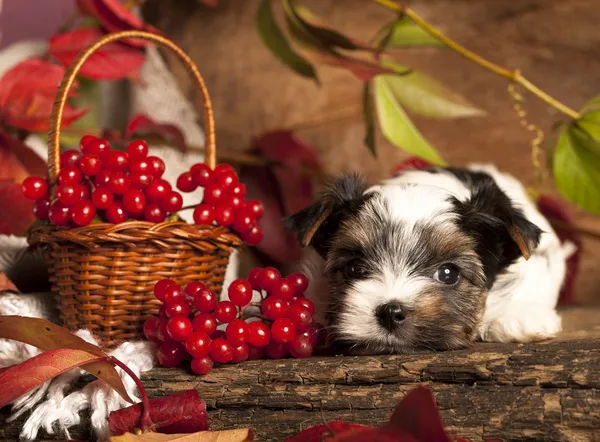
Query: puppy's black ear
[[316, 224]]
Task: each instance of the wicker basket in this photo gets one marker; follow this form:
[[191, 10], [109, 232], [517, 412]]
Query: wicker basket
[[104, 273]]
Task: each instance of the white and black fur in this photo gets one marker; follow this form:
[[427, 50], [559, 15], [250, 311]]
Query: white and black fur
[[431, 259]]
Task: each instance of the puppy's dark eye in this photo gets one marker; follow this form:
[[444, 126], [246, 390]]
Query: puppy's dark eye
[[354, 270], [447, 274]]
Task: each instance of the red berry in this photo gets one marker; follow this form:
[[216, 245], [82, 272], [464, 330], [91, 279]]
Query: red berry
[[305, 303], [223, 168], [240, 292], [268, 277], [160, 288], [85, 140], [298, 281], [185, 182], [171, 354], [198, 344], [219, 334], [172, 202], [240, 354], [202, 365], [259, 334], [254, 236], [82, 213], [226, 180], [134, 201], [238, 190], [276, 350], [151, 328], [90, 164], [283, 330], [161, 333], [201, 174], [137, 150], [69, 175], [204, 214], [221, 350], [192, 288], [213, 194], [103, 178], [69, 194], [237, 202], [157, 190], [173, 293], [412, 163], [224, 215], [274, 308], [244, 221], [157, 166], [41, 208], [141, 166], [300, 316], [119, 182], [179, 328], [253, 278], [237, 332], [312, 333], [177, 308], [300, 347], [282, 289], [116, 213], [204, 322], [225, 312], [205, 301], [116, 161], [154, 213], [96, 146], [34, 187], [256, 208], [255, 353], [102, 197], [69, 158], [140, 180]]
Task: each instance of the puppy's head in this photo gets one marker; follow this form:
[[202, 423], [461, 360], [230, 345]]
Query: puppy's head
[[409, 266]]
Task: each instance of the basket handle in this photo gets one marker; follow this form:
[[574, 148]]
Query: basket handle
[[73, 70]]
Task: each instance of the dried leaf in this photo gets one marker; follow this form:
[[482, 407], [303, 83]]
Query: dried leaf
[[17, 220], [175, 414], [369, 139], [274, 39], [24, 377], [421, 94], [48, 336], [326, 432], [110, 62], [241, 435], [6, 284], [144, 125], [396, 125]]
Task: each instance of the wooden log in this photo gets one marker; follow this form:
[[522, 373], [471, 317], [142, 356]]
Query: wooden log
[[516, 392]]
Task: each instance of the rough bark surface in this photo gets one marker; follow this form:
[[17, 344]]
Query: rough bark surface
[[516, 392]]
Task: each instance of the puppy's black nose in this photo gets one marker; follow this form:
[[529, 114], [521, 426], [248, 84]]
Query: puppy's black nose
[[390, 315]]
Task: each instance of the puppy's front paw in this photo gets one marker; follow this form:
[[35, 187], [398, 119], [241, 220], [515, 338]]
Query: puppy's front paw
[[521, 322]]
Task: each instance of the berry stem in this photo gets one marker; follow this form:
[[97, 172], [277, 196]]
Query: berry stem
[[193, 206], [145, 420]]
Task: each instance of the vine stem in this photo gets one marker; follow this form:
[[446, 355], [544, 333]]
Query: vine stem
[[514, 75]]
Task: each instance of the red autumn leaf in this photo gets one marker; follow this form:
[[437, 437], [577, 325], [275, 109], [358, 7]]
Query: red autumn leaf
[[174, 414], [115, 17], [17, 160], [24, 377], [18, 218], [7, 284], [111, 62], [324, 432], [27, 94], [376, 435], [557, 212], [143, 125], [412, 163], [48, 336]]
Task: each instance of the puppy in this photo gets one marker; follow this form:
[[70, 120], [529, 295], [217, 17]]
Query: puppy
[[431, 259]]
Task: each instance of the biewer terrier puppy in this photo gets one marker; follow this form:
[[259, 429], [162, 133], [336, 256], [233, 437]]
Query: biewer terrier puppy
[[431, 259]]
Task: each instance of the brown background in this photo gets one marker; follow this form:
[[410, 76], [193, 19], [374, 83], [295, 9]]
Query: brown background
[[555, 43]]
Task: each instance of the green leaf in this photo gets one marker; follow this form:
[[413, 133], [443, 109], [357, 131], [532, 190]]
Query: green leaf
[[369, 139], [397, 127], [423, 95], [405, 33], [593, 104], [275, 40], [590, 124], [577, 170]]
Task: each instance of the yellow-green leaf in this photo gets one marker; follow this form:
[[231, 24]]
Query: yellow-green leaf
[[405, 33], [593, 104], [396, 125], [421, 94], [577, 170], [590, 124], [275, 40], [369, 139]]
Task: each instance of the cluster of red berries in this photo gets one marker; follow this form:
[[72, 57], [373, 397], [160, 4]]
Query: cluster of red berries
[[282, 324], [223, 201], [99, 181]]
